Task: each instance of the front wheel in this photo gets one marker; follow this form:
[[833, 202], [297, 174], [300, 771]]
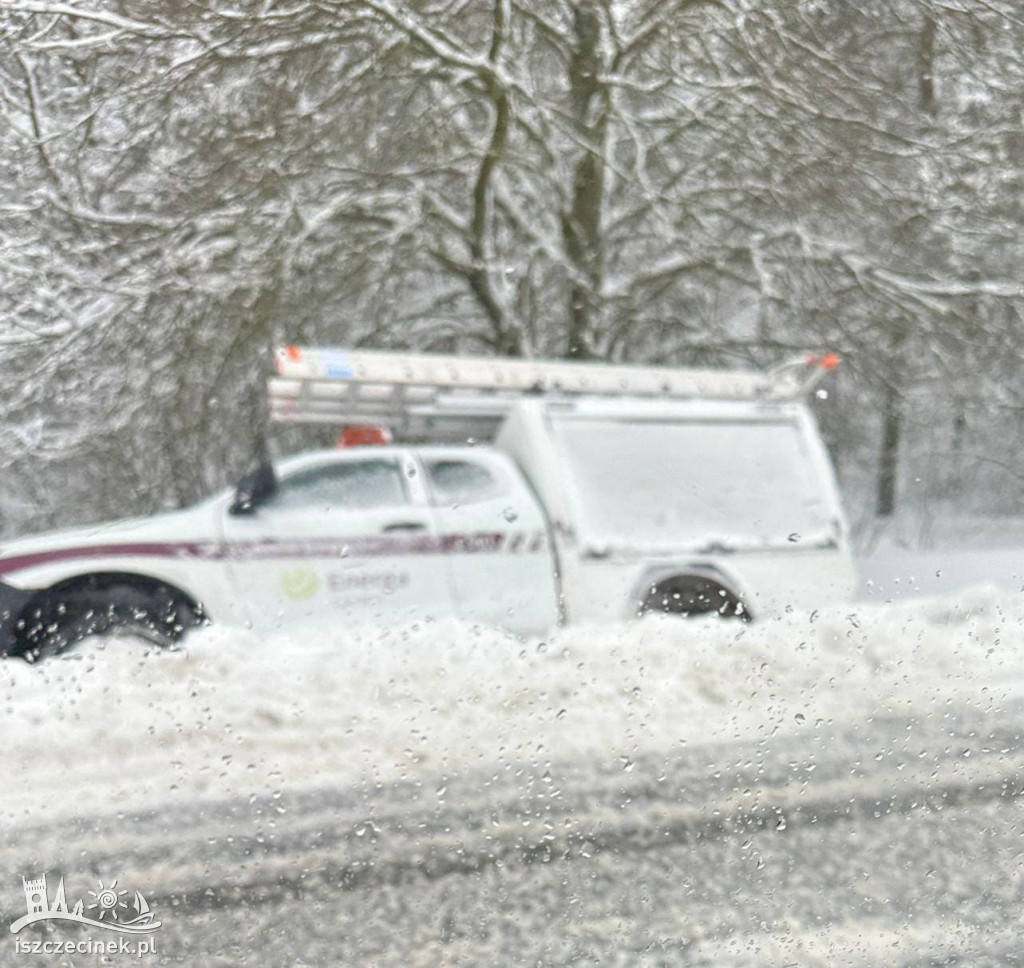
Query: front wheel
[[62, 617]]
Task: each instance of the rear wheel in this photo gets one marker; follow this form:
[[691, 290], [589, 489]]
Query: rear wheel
[[690, 595], [64, 615]]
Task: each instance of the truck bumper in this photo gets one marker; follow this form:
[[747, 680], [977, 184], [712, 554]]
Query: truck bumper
[[12, 601]]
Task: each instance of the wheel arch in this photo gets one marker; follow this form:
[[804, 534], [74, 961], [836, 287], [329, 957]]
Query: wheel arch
[[77, 588], [110, 578], [658, 575]]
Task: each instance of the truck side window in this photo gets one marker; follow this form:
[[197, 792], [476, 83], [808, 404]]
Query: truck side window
[[461, 481], [346, 484]]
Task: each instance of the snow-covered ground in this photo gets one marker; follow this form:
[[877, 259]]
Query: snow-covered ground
[[893, 574], [940, 555], [234, 714]]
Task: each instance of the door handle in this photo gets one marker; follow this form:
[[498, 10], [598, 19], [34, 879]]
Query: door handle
[[404, 526]]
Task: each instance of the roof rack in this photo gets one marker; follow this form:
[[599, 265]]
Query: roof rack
[[428, 395]]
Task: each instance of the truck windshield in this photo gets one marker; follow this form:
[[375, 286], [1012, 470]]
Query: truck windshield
[[695, 484]]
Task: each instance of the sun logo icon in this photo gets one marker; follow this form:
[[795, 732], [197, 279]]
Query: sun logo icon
[[299, 582], [108, 900]]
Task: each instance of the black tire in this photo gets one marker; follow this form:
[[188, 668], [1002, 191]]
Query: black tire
[[62, 617], [691, 595]]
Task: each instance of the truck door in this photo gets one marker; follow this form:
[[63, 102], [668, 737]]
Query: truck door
[[350, 539], [496, 540]]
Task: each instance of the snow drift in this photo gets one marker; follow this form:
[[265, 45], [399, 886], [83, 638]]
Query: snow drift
[[117, 725]]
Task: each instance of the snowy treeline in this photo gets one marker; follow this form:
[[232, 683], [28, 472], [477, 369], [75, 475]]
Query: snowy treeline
[[189, 182]]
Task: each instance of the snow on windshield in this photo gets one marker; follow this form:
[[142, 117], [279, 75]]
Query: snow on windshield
[[693, 484]]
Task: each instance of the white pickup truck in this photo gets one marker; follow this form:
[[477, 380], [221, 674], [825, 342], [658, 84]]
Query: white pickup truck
[[605, 492]]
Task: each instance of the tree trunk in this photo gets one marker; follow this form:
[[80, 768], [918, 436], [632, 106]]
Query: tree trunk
[[926, 65], [892, 427], [505, 340], [581, 224], [892, 418]]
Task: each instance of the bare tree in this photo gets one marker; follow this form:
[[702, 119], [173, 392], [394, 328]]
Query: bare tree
[[671, 180]]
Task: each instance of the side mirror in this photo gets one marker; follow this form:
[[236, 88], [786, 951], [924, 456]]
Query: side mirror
[[254, 489]]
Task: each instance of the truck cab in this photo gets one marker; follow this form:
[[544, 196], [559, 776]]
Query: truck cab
[[370, 535], [385, 534]]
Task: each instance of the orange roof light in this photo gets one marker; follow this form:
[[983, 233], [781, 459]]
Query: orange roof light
[[827, 361], [363, 435]]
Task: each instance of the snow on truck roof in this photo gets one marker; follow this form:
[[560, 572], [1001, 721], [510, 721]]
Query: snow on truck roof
[[433, 396]]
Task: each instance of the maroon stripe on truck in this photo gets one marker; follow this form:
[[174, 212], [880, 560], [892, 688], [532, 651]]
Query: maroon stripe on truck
[[171, 549], [364, 546]]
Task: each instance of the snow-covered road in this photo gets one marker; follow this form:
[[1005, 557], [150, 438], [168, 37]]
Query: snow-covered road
[[843, 781], [894, 841]]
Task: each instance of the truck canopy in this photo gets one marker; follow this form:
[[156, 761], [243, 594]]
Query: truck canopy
[[726, 481]]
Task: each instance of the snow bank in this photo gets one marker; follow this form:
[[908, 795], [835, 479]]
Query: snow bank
[[118, 726], [942, 554]]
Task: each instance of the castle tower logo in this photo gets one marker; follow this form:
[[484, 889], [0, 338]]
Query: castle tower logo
[[106, 907], [35, 894]]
